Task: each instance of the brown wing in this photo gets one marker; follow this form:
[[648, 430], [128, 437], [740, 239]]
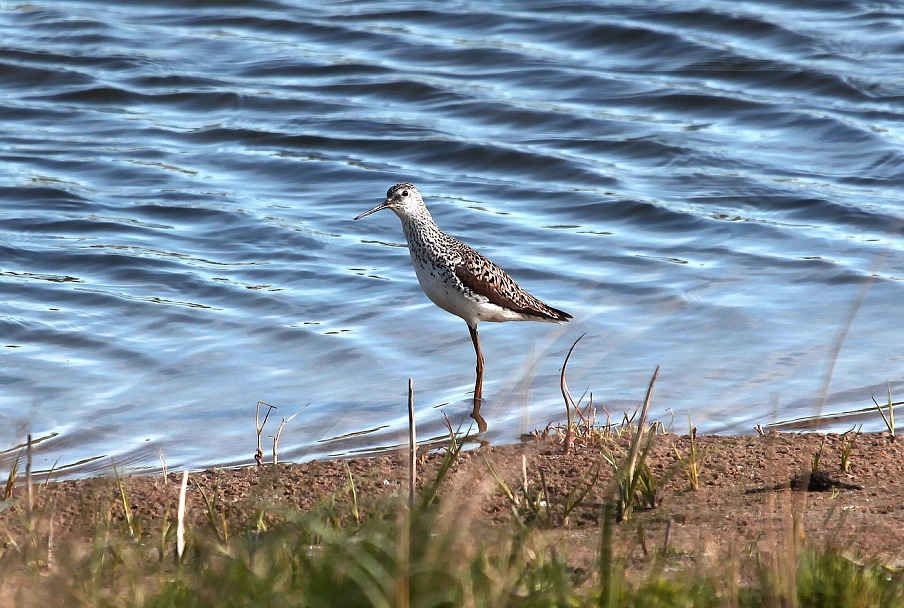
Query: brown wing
[[485, 278]]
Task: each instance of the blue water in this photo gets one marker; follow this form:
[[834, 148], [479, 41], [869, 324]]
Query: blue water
[[716, 187]]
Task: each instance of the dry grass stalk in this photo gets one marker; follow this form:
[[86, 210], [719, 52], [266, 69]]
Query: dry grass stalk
[[50, 528], [283, 423], [259, 453], [845, 328], [162, 464], [570, 406], [412, 446], [28, 482], [126, 505], [180, 518], [12, 478]]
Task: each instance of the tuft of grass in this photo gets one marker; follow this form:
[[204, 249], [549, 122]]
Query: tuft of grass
[[430, 490], [582, 427], [514, 500], [847, 446], [530, 503], [829, 578], [691, 464], [353, 493], [647, 486], [133, 525], [890, 419], [817, 456], [217, 524], [629, 471], [578, 494]]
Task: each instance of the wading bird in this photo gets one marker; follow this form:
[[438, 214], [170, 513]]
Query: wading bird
[[460, 280]]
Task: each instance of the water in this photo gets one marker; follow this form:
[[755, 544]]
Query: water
[[715, 187]]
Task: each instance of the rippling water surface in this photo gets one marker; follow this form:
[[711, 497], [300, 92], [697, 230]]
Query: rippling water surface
[[716, 187]]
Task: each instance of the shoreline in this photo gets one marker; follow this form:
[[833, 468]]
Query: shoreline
[[744, 496]]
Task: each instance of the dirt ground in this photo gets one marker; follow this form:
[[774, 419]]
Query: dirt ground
[[744, 502]]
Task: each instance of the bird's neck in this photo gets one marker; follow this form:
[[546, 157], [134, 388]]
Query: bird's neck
[[420, 225]]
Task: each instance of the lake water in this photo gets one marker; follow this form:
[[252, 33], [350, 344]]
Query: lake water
[[715, 187]]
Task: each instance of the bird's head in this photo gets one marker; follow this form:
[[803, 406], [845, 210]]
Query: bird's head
[[403, 199]]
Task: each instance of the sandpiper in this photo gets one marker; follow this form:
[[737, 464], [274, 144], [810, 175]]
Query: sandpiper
[[460, 280]]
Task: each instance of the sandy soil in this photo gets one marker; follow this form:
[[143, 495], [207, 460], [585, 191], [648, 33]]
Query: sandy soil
[[745, 500]]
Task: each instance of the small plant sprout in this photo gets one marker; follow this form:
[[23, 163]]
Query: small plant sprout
[[353, 492], [453, 436], [692, 463], [451, 453], [514, 500], [848, 439], [210, 513], [890, 419], [579, 492], [817, 457], [126, 506], [166, 533]]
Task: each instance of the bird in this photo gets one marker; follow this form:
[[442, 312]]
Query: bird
[[460, 280]]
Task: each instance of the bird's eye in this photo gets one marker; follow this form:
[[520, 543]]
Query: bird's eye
[[404, 193]]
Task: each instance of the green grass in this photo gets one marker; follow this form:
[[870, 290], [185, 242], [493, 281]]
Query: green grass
[[308, 561], [439, 553], [633, 479], [692, 462]]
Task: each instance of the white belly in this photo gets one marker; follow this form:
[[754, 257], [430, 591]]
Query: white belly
[[444, 290]]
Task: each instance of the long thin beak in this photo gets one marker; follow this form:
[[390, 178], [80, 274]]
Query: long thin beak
[[380, 207]]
